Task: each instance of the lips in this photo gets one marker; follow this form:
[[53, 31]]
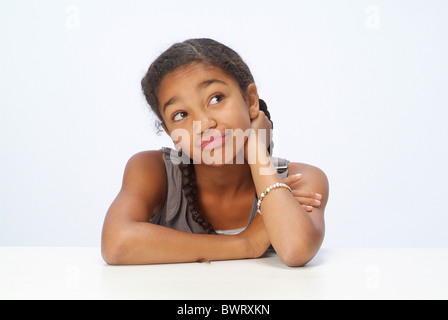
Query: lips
[[213, 142]]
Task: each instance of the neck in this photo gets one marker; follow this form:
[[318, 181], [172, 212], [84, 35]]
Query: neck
[[224, 180]]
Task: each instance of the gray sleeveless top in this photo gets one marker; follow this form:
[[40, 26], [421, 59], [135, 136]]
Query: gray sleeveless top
[[175, 213]]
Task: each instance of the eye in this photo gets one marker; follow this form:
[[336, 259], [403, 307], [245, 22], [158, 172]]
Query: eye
[[216, 99], [180, 115]]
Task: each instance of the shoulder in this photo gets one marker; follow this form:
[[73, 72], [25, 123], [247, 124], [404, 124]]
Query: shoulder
[[313, 178], [306, 170], [146, 157], [145, 175], [146, 163]]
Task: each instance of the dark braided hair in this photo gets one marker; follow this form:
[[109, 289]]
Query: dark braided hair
[[191, 194], [208, 52]]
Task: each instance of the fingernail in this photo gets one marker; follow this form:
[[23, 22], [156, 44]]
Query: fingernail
[[298, 175], [318, 196]]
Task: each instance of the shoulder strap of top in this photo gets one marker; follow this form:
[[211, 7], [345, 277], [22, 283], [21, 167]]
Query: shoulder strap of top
[[172, 155], [280, 164]]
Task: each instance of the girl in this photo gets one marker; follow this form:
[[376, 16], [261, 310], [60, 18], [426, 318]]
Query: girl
[[200, 203]]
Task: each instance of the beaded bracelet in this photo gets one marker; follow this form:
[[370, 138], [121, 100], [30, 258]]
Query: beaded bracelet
[[268, 189]]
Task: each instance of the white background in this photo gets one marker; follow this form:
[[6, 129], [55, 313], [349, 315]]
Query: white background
[[357, 88]]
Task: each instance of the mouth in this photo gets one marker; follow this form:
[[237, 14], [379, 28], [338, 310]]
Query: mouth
[[214, 142]]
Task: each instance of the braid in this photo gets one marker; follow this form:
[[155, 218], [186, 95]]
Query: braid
[[190, 189], [264, 107]]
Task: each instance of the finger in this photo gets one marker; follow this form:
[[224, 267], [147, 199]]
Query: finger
[[259, 117], [307, 194], [308, 202], [308, 208], [305, 201], [289, 180]]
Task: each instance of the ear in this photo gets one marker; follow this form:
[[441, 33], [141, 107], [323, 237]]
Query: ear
[[253, 101]]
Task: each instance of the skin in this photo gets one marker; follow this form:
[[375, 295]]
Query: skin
[[292, 222]]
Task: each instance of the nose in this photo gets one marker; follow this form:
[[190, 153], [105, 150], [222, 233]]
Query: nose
[[204, 123]]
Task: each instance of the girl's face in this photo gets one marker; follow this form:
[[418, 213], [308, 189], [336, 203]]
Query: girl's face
[[206, 114]]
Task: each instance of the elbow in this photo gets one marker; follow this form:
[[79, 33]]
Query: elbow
[[298, 255], [300, 251], [110, 257], [294, 260], [113, 250]]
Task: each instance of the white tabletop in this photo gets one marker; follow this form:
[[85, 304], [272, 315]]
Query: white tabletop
[[80, 273]]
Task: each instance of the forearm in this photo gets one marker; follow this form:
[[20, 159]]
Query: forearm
[[291, 231], [146, 243]]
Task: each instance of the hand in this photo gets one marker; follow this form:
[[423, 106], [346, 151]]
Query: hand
[[256, 238], [307, 199], [252, 143]]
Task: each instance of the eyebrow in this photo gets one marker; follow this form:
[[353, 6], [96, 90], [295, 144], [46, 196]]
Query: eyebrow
[[201, 86], [207, 83]]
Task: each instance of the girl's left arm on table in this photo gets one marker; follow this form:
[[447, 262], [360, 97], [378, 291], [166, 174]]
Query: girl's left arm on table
[[295, 233]]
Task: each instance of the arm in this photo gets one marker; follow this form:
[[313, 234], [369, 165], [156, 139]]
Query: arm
[[295, 234], [129, 238]]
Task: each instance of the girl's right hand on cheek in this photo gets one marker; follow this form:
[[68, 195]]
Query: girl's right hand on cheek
[[256, 238], [261, 122]]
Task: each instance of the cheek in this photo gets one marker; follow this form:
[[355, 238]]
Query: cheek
[[188, 146], [236, 117], [181, 139]]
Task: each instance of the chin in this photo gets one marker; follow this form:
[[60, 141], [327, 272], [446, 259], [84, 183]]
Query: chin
[[218, 157]]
